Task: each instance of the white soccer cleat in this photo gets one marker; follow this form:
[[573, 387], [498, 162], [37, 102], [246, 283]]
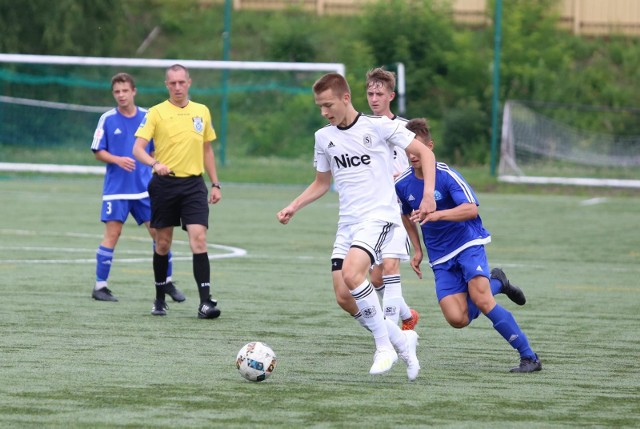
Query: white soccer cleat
[[409, 356], [383, 360]]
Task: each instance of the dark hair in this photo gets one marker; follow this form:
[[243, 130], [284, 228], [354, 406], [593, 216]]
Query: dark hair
[[333, 81], [421, 128], [381, 76], [123, 78]]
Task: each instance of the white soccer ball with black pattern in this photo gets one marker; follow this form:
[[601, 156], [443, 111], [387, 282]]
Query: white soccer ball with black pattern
[[256, 361]]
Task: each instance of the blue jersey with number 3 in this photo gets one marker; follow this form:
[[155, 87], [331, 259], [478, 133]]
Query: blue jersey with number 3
[[115, 133]]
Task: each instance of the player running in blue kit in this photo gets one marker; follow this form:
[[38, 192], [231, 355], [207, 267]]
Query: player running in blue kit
[[125, 182], [454, 238]]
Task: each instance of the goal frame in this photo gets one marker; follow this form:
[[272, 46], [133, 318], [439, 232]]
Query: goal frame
[[508, 161], [153, 63]]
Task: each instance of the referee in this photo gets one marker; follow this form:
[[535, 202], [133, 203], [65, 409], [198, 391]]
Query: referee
[[182, 134]]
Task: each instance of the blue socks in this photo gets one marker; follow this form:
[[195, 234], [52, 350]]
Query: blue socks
[[104, 257], [496, 286], [472, 309], [506, 325], [170, 266]]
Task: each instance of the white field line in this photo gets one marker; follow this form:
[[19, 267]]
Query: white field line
[[231, 252], [593, 201]]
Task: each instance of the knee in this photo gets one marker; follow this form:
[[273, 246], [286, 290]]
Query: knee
[[391, 266], [111, 238], [199, 244], [163, 247], [458, 321], [485, 303], [352, 278]]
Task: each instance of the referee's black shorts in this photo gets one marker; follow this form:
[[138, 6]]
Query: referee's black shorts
[[178, 201]]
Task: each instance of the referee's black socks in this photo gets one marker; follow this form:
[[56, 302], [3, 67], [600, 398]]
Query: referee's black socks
[[160, 266], [202, 274]]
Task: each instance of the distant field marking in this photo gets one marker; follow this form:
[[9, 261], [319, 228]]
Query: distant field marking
[[594, 288], [233, 252], [593, 201]]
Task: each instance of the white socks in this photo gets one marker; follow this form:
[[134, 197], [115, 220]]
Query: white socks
[[371, 316]]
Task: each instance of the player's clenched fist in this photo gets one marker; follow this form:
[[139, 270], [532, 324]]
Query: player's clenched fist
[[285, 215]]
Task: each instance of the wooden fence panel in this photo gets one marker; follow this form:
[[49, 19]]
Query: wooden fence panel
[[584, 17]]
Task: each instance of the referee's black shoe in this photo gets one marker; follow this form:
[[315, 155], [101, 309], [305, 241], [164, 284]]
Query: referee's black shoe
[[208, 309], [175, 294], [159, 308], [512, 291]]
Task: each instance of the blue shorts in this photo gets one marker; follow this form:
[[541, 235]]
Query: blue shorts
[[453, 276], [118, 210]]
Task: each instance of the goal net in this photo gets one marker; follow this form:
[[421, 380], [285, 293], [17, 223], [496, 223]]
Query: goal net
[[566, 145], [50, 106]]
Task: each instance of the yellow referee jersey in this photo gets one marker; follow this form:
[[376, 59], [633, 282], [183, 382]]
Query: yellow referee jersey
[[179, 135]]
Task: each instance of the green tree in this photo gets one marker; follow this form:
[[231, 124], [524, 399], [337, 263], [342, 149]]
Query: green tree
[[419, 34], [62, 27]]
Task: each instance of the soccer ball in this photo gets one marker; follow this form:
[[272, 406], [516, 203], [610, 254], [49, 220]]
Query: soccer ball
[[256, 361]]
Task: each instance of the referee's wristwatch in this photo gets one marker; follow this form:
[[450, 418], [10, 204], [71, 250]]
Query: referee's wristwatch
[[215, 185]]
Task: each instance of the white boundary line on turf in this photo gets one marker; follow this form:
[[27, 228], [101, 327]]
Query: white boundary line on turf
[[233, 252]]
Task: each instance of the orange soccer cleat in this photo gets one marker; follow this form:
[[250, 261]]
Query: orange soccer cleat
[[410, 323]]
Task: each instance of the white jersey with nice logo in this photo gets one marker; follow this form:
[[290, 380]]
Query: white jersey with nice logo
[[360, 158]]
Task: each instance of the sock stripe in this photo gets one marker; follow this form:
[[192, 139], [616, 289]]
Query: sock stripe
[[368, 290], [391, 279]]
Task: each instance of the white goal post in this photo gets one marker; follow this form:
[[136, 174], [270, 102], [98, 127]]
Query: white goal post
[[537, 149], [148, 63], [156, 63]]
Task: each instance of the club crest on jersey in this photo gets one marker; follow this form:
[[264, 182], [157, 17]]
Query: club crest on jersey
[[198, 124], [366, 141]]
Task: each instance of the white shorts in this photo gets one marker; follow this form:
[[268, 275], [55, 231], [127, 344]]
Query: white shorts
[[371, 236], [398, 247]]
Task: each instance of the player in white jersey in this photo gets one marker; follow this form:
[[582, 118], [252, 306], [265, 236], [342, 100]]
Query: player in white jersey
[[125, 181], [385, 277], [355, 150]]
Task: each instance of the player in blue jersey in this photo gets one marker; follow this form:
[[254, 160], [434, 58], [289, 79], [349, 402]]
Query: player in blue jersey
[[454, 238], [125, 181]]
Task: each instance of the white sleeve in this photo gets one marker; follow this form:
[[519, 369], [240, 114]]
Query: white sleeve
[[320, 160], [401, 137]]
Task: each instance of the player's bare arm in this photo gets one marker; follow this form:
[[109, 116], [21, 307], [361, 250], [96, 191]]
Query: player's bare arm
[[416, 244], [124, 162], [461, 213], [315, 190], [428, 162]]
